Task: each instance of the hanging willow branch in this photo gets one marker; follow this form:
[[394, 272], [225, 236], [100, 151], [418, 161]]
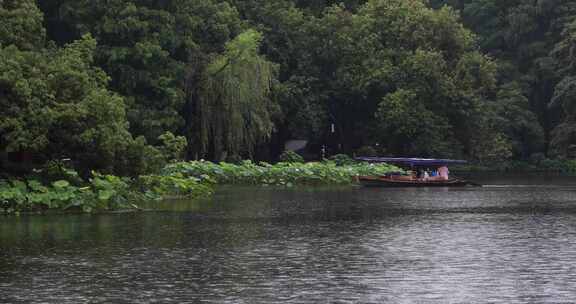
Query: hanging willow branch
[[234, 103]]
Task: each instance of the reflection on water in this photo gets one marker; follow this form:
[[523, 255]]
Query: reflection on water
[[499, 244]]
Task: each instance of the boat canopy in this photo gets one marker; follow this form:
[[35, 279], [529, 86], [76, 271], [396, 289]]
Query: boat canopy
[[415, 162]]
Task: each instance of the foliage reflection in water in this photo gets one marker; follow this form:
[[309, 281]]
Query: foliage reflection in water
[[268, 245]]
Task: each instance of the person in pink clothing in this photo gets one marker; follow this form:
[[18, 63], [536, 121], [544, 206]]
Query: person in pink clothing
[[443, 172]]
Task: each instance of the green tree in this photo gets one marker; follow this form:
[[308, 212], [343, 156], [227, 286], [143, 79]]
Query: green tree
[[403, 117], [56, 104], [407, 74], [564, 98], [21, 24], [520, 34], [395, 54], [234, 108], [564, 135], [148, 47], [513, 117], [173, 147], [54, 101]]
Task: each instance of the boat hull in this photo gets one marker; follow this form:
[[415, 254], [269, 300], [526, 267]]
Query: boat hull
[[375, 181]]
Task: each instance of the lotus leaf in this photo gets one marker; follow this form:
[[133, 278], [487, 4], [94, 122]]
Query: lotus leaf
[[105, 195], [60, 184]]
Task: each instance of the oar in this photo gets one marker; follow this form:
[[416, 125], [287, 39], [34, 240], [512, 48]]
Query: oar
[[470, 182], [474, 184]]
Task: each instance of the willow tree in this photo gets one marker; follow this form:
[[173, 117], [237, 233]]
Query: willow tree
[[234, 106]]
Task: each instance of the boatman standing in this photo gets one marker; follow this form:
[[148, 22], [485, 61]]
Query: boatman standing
[[443, 172]]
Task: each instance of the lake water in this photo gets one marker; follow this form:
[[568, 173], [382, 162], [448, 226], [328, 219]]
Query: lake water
[[513, 241]]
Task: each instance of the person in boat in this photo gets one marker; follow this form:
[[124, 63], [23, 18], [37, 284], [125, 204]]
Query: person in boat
[[426, 175], [443, 173], [434, 175], [419, 174]]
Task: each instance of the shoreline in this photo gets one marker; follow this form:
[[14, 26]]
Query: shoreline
[[195, 179], [198, 179]]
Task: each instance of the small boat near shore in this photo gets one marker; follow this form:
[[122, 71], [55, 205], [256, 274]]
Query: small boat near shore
[[389, 181], [398, 179]]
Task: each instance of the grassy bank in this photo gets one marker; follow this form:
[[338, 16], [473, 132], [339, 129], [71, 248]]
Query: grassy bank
[[182, 179]]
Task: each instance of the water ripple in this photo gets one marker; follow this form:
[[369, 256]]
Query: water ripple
[[512, 245]]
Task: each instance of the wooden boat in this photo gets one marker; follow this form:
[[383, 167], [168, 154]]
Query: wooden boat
[[390, 181], [398, 180]]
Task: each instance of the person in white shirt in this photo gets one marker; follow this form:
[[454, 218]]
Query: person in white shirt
[[426, 175]]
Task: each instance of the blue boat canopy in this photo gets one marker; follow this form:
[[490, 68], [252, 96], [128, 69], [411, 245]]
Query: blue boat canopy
[[417, 162]]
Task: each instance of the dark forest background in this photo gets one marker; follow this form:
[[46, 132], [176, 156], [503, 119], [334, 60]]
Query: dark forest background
[[123, 85]]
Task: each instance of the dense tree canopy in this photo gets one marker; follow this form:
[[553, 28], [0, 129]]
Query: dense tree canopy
[[100, 82], [530, 42], [146, 47]]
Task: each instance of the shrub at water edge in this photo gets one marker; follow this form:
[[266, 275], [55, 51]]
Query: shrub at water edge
[[249, 173], [100, 193]]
